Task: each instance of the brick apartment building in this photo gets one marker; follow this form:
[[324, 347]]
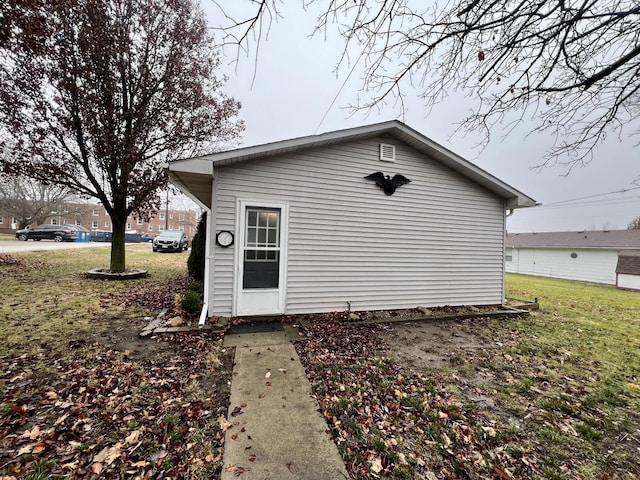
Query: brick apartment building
[[95, 217]]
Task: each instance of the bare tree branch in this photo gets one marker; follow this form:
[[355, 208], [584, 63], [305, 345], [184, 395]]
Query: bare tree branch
[[28, 201], [571, 65]]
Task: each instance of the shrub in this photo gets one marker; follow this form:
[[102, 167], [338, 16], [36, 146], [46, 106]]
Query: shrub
[[191, 304], [196, 286], [195, 263]]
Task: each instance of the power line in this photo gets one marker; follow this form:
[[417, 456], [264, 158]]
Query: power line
[[335, 98], [337, 95], [603, 202], [561, 202]]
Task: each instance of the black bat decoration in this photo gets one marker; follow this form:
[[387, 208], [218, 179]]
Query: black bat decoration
[[386, 183]]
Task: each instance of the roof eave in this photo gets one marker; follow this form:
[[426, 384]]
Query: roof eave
[[514, 198], [194, 178]]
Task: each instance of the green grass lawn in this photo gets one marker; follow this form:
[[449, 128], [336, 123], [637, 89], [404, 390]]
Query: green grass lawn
[[555, 395], [47, 297], [81, 395], [577, 367]]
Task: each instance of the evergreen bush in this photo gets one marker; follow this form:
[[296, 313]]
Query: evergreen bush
[[195, 263]]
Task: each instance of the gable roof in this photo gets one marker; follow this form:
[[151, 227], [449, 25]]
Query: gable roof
[[627, 239], [628, 263], [188, 173]]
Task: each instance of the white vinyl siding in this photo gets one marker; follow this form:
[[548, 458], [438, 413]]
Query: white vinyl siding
[[438, 240], [590, 265], [632, 282]]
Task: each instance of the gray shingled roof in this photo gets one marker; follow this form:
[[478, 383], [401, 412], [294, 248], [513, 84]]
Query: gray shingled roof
[[193, 175], [629, 262], [627, 239]]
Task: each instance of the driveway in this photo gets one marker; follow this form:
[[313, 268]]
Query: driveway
[[16, 246]]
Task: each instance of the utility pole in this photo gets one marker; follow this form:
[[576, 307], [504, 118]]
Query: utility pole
[[166, 212]]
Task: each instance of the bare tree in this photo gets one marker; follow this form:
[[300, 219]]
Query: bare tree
[[28, 201], [573, 66], [96, 95], [634, 224]]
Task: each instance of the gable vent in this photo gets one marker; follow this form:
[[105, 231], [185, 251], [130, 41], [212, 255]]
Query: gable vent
[[387, 152]]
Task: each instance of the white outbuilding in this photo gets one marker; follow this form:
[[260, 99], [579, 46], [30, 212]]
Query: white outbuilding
[[369, 218], [590, 255]]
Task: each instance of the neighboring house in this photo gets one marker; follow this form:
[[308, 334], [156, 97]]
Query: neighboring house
[[295, 227], [590, 256], [185, 220], [95, 217]]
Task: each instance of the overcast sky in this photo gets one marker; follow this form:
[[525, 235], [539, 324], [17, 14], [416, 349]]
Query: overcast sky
[[287, 90]]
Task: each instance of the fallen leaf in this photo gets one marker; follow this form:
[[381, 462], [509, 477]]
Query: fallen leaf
[[108, 454], [133, 437], [32, 434], [25, 449], [158, 455], [39, 448], [376, 465], [501, 473], [61, 419], [489, 431], [566, 427], [224, 424]]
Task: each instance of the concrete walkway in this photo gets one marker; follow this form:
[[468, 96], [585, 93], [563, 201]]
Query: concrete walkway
[[277, 432]]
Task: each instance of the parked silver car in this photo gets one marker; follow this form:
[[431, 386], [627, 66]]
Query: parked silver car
[[171, 241]]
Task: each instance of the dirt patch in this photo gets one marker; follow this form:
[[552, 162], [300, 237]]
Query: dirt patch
[[435, 343], [124, 335]]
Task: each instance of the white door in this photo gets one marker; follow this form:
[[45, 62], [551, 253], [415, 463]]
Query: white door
[[261, 258]]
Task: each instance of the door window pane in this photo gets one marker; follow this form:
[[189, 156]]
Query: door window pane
[[251, 236], [260, 271], [252, 218], [262, 249], [262, 229]]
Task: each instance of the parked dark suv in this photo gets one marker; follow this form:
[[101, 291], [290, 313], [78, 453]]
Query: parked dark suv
[[170, 241], [59, 233]]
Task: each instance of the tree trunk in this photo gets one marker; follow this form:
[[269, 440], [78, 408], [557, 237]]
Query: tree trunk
[[117, 244]]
